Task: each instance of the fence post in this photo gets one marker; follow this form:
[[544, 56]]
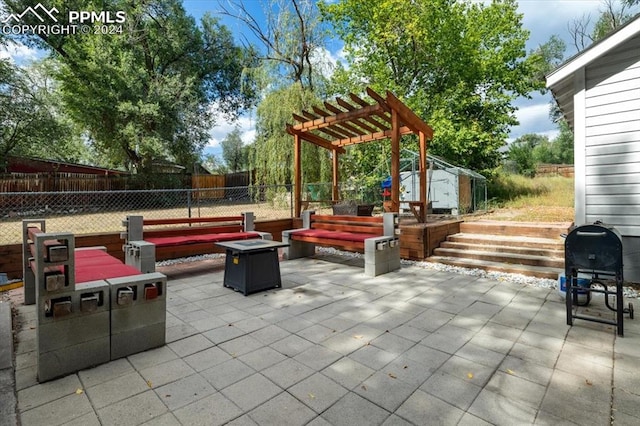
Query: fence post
[[189, 202], [290, 187]]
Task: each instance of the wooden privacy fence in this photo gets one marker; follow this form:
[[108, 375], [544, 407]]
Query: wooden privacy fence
[[58, 182], [84, 182], [565, 170]]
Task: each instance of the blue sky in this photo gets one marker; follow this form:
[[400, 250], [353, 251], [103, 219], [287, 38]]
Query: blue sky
[[543, 18]]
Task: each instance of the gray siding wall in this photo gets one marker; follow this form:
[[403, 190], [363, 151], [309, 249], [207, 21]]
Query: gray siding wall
[[612, 139]]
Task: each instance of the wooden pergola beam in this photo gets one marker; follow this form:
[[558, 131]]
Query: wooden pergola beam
[[346, 105], [383, 134], [345, 125], [408, 116], [322, 122], [315, 139]]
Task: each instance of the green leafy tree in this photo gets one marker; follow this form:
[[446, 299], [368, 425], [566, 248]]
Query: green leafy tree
[[563, 144], [31, 119], [521, 152], [234, 152], [147, 94], [459, 65], [273, 148], [213, 164]]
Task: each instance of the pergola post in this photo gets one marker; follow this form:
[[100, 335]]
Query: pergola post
[[423, 176], [297, 172], [395, 161], [335, 193]]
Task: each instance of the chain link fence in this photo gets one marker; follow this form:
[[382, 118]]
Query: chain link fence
[[89, 212]]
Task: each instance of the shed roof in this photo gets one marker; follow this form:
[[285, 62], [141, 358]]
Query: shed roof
[[560, 80]]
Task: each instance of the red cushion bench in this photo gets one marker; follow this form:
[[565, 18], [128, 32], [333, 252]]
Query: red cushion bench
[[376, 237], [182, 237]]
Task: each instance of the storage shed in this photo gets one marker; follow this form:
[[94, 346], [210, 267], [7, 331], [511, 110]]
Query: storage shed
[[450, 188], [598, 91]]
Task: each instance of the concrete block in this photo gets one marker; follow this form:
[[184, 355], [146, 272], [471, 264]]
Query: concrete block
[[375, 269], [70, 359], [134, 228], [306, 218], [29, 285], [265, 235], [297, 249], [390, 222], [73, 330], [138, 313], [247, 221], [137, 340], [141, 255]]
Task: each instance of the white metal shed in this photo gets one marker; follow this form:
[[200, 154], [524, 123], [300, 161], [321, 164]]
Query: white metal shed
[[598, 91]]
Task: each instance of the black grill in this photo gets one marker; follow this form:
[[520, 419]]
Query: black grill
[[595, 250]]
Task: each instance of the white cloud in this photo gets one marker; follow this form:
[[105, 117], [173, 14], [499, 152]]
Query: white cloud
[[245, 123], [19, 54]]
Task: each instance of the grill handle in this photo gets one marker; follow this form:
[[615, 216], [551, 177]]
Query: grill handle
[[591, 234]]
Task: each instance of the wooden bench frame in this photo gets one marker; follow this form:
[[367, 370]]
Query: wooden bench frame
[[381, 250], [138, 229]]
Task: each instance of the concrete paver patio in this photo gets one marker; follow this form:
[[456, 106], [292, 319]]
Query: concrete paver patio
[[333, 347]]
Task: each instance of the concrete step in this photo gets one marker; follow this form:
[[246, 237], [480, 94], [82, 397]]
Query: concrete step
[[507, 240], [502, 257], [527, 229], [501, 248], [528, 270]]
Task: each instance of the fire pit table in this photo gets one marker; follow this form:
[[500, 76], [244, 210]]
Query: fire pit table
[[252, 265]]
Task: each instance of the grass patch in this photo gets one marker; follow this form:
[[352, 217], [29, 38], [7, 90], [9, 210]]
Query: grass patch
[[538, 199]]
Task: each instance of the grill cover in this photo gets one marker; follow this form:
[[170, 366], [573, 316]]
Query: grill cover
[[594, 247]]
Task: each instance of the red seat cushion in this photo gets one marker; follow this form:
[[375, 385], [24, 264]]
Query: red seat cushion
[[203, 238], [335, 235], [92, 265]]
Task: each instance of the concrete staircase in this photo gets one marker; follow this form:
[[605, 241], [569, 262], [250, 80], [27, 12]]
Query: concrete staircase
[[527, 248]]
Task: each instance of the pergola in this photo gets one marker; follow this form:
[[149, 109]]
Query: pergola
[[358, 121]]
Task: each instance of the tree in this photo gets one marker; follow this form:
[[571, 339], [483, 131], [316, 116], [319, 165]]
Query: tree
[[291, 74], [459, 65], [613, 14], [292, 37], [31, 118], [273, 148], [563, 144], [521, 152], [233, 151], [213, 164], [147, 93]]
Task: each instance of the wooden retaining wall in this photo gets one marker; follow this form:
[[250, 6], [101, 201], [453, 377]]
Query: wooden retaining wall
[[418, 240]]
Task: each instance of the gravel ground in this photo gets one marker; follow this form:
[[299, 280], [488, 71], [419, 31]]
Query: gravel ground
[[628, 292]]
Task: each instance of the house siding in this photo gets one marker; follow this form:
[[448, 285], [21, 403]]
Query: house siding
[[612, 147], [612, 140]]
